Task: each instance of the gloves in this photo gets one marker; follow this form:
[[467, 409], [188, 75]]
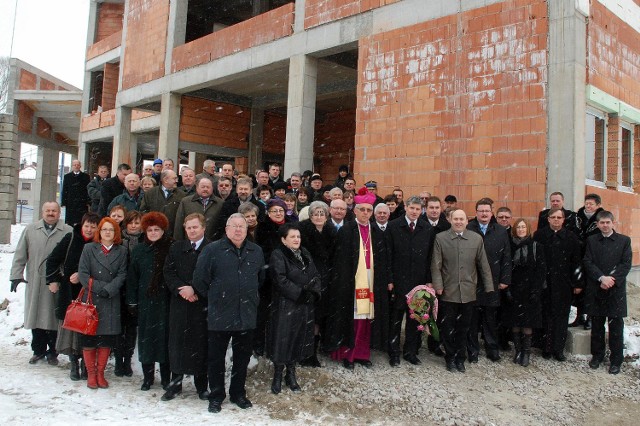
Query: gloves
[[103, 293], [133, 310], [14, 284], [305, 297]]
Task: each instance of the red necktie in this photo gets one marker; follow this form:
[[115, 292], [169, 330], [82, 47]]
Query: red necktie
[[412, 226]]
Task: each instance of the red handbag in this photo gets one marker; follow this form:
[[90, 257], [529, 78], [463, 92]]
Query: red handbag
[[82, 317]]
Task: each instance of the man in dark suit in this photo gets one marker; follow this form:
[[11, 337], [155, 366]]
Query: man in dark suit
[[74, 193], [112, 187], [164, 198], [409, 242], [607, 262], [202, 202], [381, 216], [556, 201], [497, 247], [243, 194]]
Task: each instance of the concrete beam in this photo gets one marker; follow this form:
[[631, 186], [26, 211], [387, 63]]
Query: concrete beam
[[48, 95], [168, 142], [146, 124], [97, 135], [212, 150], [47, 143], [567, 102], [97, 63]]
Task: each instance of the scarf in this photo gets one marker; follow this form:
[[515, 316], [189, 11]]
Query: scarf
[[520, 252], [364, 274], [160, 251]]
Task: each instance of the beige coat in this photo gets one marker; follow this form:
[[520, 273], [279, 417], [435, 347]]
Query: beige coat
[[33, 249], [456, 264]]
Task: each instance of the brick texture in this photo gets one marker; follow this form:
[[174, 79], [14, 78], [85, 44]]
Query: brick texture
[[457, 106], [25, 118], [28, 80], [275, 133], [110, 19], [317, 12], [269, 26], [110, 86], [43, 129], [146, 41], [214, 123], [47, 85], [104, 45], [333, 143]]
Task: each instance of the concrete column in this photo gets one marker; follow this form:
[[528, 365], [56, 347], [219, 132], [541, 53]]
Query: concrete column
[[566, 95], [192, 160], [46, 184], [176, 30], [86, 88], [124, 142], [256, 137], [9, 165], [168, 142], [301, 114], [299, 13]]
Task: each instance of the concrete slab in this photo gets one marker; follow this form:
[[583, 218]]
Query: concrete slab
[[578, 341]]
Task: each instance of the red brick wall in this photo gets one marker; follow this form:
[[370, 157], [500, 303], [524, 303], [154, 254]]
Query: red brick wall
[[25, 117], [457, 106], [146, 41], [110, 18], [614, 47], [43, 129], [269, 26], [275, 133], [110, 86], [47, 85], [214, 123], [333, 144], [318, 12], [28, 80], [104, 45]]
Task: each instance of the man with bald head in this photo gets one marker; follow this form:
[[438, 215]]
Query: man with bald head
[[188, 181], [338, 211], [458, 261], [164, 198], [131, 197], [204, 202], [75, 196]]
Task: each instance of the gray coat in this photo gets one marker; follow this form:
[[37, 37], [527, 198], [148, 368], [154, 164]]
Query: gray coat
[[31, 253], [193, 204], [457, 265], [109, 273], [154, 201]]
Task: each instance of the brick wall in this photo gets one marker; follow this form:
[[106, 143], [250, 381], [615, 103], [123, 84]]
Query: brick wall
[[110, 86], [457, 106], [25, 118], [104, 45], [146, 41], [47, 85], [214, 123], [43, 129], [28, 80], [333, 143], [317, 12], [269, 26], [110, 18], [275, 133]]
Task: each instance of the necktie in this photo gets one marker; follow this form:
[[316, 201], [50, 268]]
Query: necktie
[[383, 227], [338, 226], [483, 229], [166, 194], [193, 246], [204, 202], [412, 226]]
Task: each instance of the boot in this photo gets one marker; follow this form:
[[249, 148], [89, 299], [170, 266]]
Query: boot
[[89, 356], [517, 345], [580, 320], [276, 384], [74, 368], [119, 368], [126, 366], [526, 350], [103, 358], [148, 370], [165, 375], [83, 369], [290, 378]]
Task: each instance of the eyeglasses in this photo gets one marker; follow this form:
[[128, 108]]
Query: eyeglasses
[[319, 214], [483, 211], [338, 208], [365, 209], [504, 217], [277, 211], [236, 226]]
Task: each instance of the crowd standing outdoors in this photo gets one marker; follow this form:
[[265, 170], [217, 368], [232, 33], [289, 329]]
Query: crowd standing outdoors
[[181, 266]]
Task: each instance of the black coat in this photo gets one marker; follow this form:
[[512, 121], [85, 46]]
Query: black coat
[[321, 246], [587, 226], [609, 257], [187, 320], [527, 281], [570, 220], [230, 206], [93, 189], [66, 255], [111, 188], [291, 326], [408, 257], [75, 196], [341, 291], [497, 246]]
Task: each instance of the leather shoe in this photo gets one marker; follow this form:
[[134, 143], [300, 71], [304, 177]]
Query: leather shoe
[[394, 361], [365, 363], [242, 402], [34, 359], [614, 369], [438, 352], [594, 363], [460, 367], [411, 358], [473, 359], [587, 324], [171, 393], [546, 355], [559, 356], [346, 364], [451, 366], [215, 406], [494, 356], [52, 359], [204, 395]]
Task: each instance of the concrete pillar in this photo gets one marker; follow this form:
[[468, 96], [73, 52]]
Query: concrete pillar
[[168, 143], [46, 184], [299, 14], [176, 31], [192, 160], [9, 166], [86, 88], [566, 94], [256, 138], [301, 114], [125, 145]]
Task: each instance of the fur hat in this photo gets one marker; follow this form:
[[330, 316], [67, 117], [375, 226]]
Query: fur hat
[[364, 197], [154, 219]]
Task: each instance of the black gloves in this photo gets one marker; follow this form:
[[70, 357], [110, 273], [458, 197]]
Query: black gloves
[[133, 310], [14, 284], [305, 297], [103, 293]]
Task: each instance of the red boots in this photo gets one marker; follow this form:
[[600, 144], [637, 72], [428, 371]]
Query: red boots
[[102, 358], [96, 362]]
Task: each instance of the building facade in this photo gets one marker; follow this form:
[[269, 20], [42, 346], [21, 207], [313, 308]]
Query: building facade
[[508, 99]]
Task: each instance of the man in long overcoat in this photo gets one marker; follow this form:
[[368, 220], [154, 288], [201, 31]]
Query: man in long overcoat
[[607, 262], [164, 198], [74, 193], [203, 202], [36, 243]]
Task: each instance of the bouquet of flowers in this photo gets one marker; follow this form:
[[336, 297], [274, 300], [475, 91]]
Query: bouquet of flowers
[[423, 307]]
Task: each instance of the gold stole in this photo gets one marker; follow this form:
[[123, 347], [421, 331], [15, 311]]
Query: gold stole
[[364, 286]]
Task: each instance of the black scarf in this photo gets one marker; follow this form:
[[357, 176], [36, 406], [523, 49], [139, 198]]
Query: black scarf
[[160, 251]]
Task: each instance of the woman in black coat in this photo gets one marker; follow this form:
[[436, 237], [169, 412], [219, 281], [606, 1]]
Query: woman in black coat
[[527, 282], [319, 238], [296, 286], [62, 278], [188, 336]]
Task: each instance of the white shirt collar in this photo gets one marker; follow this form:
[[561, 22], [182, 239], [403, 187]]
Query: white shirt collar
[[198, 242]]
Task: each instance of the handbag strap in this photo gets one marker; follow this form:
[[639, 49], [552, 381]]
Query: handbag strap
[[89, 297]]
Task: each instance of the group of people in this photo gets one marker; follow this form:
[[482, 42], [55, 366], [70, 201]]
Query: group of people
[[292, 268]]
